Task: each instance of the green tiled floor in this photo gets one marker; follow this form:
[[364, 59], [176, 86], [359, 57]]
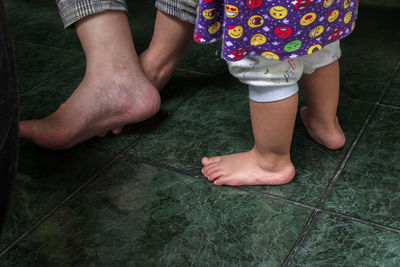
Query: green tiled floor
[[138, 199]]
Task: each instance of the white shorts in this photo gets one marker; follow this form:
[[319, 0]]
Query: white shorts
[[271, 80]]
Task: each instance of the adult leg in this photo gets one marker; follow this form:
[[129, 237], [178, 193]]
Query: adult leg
[[113, 93], [321, 90], [166, 50], [268, 163]]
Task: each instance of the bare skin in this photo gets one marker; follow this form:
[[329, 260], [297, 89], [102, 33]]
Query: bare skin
[[321, 90], [268, 163], [115, 90], [166, 50]]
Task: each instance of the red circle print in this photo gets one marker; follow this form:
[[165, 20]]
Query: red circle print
[[253, 3], [283, 32]]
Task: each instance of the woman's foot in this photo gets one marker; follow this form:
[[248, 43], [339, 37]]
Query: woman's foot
[[330, 135], [248, 168], [100, 104]]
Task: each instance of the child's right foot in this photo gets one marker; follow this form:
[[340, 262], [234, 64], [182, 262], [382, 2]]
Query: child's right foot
[[247, 168], [330, 136]]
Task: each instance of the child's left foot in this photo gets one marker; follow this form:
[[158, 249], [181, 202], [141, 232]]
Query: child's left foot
[[247, 168], [330, 136]]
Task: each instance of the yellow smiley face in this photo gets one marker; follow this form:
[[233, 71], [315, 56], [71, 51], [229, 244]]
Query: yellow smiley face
[[235, 32], [316, 31], [255, 21], [353, 25], [346, 3], [328, 3], [270, 55], [333, 15], [347, 17], [308, 18], [209, 13], [215, 27], [314, 48], [278, 12], [258, 39], [231, 11]]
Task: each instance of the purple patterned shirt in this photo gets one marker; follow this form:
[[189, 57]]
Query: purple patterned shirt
[[277, 29]]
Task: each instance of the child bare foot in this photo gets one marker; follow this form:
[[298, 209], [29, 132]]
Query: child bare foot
[[247, 168], [329, 135]]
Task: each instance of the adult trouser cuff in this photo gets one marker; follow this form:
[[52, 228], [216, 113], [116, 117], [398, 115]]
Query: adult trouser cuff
[[184, 10], [72, 11]]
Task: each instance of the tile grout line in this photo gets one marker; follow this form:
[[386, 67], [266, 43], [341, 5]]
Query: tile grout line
[[48, 79], [159, 165], [328, 191], [274, 197], [366, 102], [66, 199], [50, 47], [361, 221], [195, 72], [264, 194], [389, 82]]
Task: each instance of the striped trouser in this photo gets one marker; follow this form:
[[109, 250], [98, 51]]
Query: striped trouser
[[73, 10]]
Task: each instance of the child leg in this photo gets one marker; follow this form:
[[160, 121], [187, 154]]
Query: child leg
[[321, 90], [268, 163]]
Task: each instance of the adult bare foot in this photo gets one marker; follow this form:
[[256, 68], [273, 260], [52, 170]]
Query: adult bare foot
[[329, 135], [247, 168], [113, 93], [100, 104]]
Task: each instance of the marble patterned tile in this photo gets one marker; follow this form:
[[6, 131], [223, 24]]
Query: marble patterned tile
[[216, 121], [136, 214], [369, 186], [45, 178], [44, 25], [36, 64], [365, 68], [334, 241], [46, 98], [182, 87]]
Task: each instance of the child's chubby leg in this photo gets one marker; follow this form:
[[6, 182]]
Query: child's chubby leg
[[268, 163], [321, 90]]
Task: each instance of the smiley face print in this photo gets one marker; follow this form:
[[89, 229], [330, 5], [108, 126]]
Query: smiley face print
[[231, 11], [335, 34], [253, 3], [270, 55], [317, 31], [215, 27], [314, 48], [239, 53], [209, 13], [255, 21], [235, 31], [278, 12], [346, 3], [283, 32], [301, 4], [258, 39], [328, 3], [308, 18], [333, 15], [347, 17], [292, 46]]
